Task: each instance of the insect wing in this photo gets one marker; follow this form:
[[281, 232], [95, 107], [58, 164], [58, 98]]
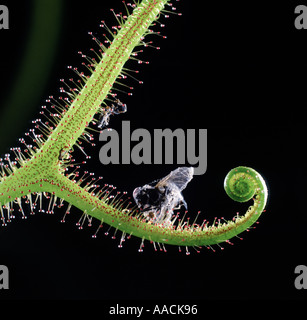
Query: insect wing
[[120, 108], [179, 177]]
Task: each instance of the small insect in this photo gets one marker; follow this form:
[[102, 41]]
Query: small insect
[[64, 155], [108, 111], [158, 199]]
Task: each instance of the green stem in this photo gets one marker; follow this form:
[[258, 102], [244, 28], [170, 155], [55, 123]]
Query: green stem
[[186, 235], [43, 171]]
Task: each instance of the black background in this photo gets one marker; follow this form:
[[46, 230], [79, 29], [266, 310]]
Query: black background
[[238, 70]]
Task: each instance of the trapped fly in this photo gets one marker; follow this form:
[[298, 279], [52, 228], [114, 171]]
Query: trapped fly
[[107, 111], [158, 199]]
